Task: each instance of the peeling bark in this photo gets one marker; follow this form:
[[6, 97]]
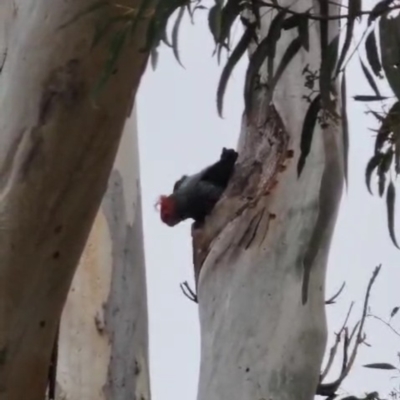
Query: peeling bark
[[104, 340], [57, 150], [258, 339]]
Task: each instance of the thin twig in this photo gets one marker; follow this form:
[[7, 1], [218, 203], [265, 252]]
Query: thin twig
[[347, 317], [346, 345], [355, 49], [52, 373], [335, 296], [332, 355], [384, 322], [333, 350], [329, 389], [353, 332], [360, 334], [188, 292]]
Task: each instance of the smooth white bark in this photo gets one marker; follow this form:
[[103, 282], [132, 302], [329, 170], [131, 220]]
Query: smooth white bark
[[103, 346], [258, 341], [57, 150]]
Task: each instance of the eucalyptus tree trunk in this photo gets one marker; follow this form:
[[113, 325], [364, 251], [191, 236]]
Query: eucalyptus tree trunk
[[57, 149], [258, 339], [103, 343]]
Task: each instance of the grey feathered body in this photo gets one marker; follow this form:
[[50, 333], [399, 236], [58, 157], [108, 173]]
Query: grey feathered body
[[196, 195]]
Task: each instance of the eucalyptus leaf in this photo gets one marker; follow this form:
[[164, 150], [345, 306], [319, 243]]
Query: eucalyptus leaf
[[370, 78], [229, 14], [372, 165], [396, 140], [233, 59], [287, 57], [175, 34], [394, 311], [357, 8], [328, 64], [380, 366], [371, 50], [275, 35], [366, 97], [307, 132], [390, 50], [304, 33], [154, 58], [380, 8], [377, 115], [292, 22], [265, 49], [381, 182], [353, 12], [157, 30], [325, 71], [214, 21], [390, 202], [383, 169], [390, 123]]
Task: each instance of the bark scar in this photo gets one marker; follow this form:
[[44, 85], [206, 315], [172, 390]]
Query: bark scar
[[63, 85], [261, 155]]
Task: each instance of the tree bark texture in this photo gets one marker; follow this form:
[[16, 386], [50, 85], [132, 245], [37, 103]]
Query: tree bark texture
[[103, 344], [57, 150], [258, 340]]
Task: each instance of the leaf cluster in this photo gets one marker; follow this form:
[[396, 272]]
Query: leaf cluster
[[118, 23], [385, 161], [386, 156], [322, 102]]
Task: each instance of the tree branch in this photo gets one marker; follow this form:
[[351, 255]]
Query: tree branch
[[329, 389], [188, 292], [335, 296]]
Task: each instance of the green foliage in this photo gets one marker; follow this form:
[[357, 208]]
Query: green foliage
[[386, 157], [117, 25]]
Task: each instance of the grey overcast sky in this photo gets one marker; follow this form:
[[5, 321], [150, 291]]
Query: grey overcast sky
[[180, 132]]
